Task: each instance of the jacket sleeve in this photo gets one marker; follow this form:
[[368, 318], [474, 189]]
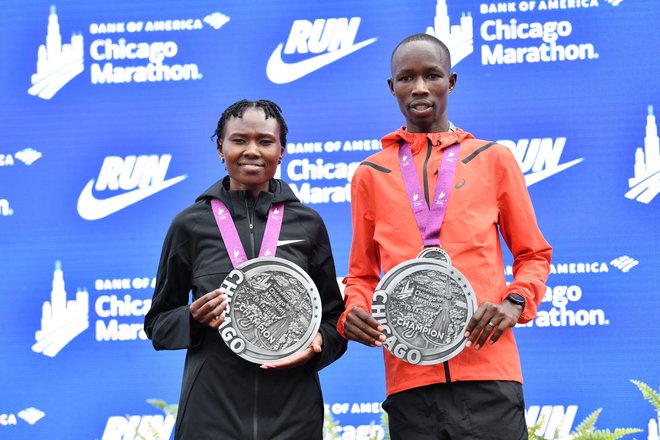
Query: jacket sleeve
[[322, 272], [531, 252], [364, 260], [168, 323]]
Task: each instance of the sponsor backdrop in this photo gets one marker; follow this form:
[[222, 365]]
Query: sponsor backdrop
[[107, 112]]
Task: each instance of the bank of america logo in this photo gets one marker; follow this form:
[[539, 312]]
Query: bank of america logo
[[645, 183], [28, 156], [624, 263], [57, 63], [457, 37], [31, 415], [61, 320], [216, 20]]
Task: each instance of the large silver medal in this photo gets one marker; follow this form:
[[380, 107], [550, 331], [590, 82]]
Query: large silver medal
[[424, 306], [273, 310]]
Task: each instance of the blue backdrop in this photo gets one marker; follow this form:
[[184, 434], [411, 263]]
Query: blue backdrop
[[106, 114]]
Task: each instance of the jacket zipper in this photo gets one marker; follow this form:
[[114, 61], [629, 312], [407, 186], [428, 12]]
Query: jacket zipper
[[251, 223], [255, 419], [426, 175]]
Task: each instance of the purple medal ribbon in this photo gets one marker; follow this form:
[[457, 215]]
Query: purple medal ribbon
[[230, 236], [429, 222]]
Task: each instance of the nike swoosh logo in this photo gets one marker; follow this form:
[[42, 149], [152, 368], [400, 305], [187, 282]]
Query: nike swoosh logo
[[531, 179], [280, 72], [91, 208], [285, 242]]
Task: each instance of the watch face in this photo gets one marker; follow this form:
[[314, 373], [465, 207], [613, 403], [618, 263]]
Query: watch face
[[516, 299]]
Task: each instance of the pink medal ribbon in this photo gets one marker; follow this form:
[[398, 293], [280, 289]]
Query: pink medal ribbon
[[230, 236], [429, 221]]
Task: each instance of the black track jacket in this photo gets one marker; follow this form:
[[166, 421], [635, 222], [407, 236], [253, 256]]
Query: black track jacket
[[222, 395]]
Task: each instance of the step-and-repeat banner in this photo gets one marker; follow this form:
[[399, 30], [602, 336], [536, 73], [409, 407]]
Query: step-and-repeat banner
[[107, 109]]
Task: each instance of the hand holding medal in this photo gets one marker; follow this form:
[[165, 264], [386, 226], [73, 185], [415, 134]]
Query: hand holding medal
[[209, 309]]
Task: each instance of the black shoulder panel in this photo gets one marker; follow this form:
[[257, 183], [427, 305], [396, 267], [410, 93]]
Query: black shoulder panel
[[478, 151]]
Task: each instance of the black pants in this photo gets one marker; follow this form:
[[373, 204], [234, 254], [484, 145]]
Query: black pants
[[458, 411]]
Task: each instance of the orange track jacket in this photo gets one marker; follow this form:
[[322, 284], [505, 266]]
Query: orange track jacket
[[488, 193]]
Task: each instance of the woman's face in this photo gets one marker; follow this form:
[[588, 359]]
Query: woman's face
[[252, 150]]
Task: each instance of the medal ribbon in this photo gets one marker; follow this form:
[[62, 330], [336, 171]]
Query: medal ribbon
[[230, 236], [429, 221]]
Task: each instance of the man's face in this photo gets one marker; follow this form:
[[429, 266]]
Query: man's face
[[421, 80]]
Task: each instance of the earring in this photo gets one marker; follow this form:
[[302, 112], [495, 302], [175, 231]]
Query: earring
[[222, 159]]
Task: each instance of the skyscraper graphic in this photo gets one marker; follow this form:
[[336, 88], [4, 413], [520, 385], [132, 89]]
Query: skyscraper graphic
[[57, 63], [458, 37], [645, 184], [61, 320]]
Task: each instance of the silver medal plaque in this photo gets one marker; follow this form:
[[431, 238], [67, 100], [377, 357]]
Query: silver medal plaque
[[273, 310], [437, 253], [424, 306]]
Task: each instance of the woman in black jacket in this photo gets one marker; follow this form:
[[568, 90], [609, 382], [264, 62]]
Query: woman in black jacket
[[224, 396]]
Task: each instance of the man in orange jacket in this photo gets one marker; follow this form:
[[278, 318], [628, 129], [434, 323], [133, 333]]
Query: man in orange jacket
[[478, 393]]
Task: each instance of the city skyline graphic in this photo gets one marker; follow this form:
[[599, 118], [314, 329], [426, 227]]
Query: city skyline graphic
[[61, 320], [645, 183], [458, 37], [57, 63]]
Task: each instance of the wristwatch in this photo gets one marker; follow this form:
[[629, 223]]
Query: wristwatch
[[516, 298]]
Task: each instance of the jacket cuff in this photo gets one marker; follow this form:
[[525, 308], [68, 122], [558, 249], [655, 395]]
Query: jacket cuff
[[529, 311], [341, 322], [196, 331]]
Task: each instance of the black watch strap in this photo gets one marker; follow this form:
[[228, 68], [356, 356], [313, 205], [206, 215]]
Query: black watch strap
[[516, 298]]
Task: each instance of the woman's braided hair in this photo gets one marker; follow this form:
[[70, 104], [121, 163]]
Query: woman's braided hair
[[237, 110]]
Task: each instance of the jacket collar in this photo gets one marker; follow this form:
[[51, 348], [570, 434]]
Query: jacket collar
[[236, 201], [417, 141]]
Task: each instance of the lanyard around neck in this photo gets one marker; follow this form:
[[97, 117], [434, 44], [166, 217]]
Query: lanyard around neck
[[429, 221], [230, 236]]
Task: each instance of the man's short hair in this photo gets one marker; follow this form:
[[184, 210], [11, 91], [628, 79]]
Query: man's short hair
[[424, 37]]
